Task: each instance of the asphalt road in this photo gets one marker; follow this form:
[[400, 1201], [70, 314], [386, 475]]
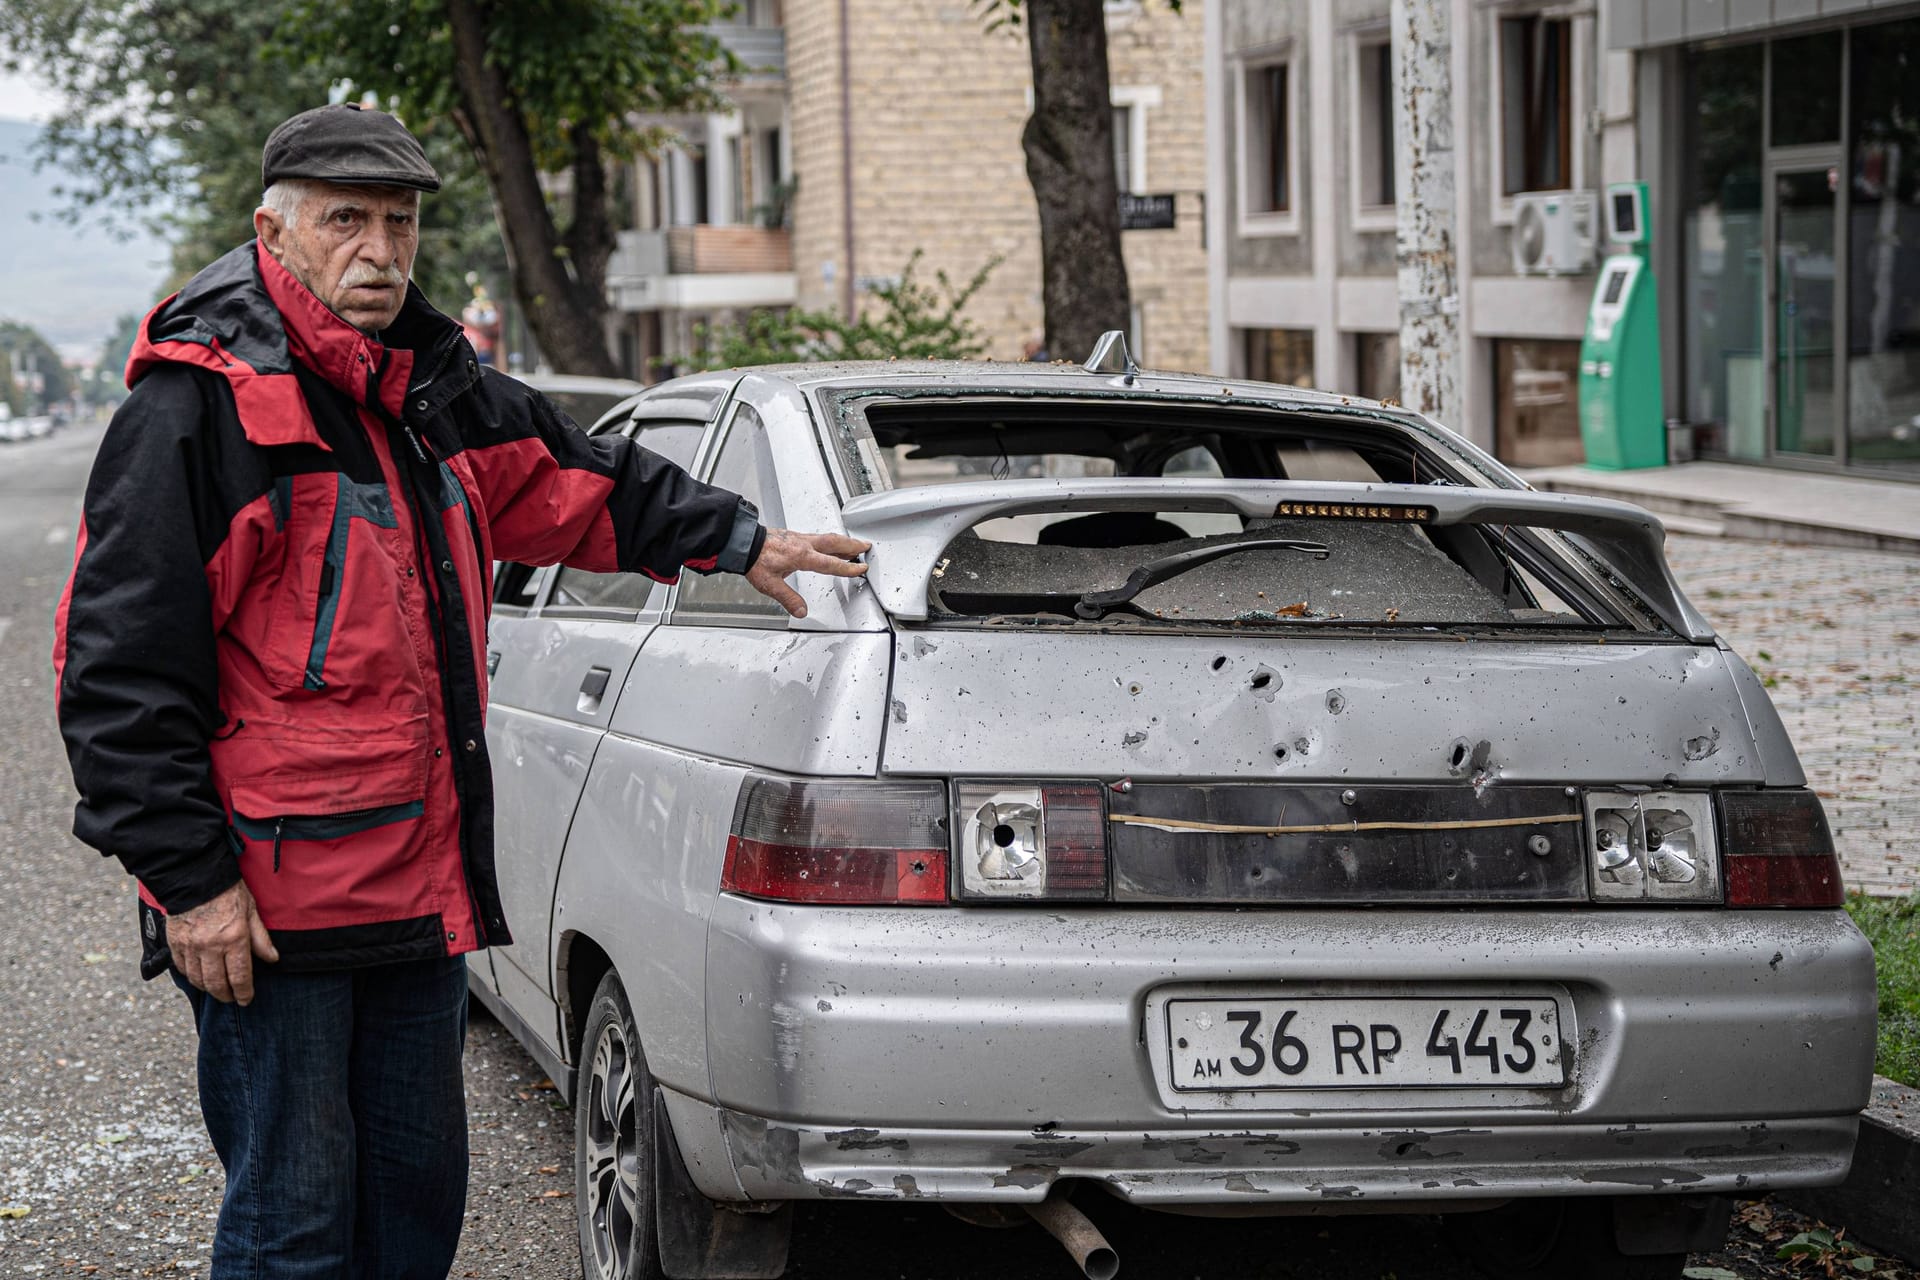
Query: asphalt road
[[104, 1167]]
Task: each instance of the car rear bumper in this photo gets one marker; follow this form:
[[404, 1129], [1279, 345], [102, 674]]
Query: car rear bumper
[[984, 1053], [753, 1158]]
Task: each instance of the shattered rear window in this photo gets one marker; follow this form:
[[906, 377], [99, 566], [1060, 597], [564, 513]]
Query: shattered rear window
[[1374, 573], [1037, 567]]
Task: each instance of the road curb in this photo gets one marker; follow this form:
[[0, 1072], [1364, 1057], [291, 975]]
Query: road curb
[[1879, 1203]]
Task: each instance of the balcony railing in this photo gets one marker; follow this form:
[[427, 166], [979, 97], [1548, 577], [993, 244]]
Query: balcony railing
[[701, 269], [702, 250], [762, 50]]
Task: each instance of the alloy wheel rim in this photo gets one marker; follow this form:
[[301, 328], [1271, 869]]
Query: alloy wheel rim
[[612, 1155]]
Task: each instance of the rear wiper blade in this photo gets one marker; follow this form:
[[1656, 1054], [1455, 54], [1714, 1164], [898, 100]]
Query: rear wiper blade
[[1095, 605]]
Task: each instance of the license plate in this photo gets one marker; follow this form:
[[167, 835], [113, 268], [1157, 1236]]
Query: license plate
[[1357, 1042]]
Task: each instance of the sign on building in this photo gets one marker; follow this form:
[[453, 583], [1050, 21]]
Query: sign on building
[[1146, 213]]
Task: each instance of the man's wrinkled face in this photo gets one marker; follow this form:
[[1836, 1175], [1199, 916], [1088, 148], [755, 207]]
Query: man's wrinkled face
[[352, 247]]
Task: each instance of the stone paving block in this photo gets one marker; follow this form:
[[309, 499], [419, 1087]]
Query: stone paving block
[[1835, 635]]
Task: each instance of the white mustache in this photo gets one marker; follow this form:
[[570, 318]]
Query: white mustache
[[360, 273]]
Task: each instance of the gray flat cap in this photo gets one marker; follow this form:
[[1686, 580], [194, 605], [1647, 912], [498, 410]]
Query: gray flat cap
[[348, 144]]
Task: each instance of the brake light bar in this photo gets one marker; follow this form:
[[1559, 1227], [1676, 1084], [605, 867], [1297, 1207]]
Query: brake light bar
[[1778, 850], [838, 842]]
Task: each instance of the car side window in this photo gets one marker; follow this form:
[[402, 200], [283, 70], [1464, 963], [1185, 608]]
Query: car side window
[[745, 465], [627, 593]]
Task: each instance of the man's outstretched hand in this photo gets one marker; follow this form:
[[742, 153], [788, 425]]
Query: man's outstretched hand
[[786, 552], [214, 945]]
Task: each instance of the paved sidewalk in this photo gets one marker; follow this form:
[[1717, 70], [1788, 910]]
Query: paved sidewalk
[[1836, 636], [1758, 502]]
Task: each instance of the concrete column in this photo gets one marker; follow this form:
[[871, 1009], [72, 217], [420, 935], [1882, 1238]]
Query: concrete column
[[1427, 235], [1330, 372]]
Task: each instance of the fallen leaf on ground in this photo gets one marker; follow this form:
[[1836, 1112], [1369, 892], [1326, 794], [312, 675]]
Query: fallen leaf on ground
[[14, 1211]]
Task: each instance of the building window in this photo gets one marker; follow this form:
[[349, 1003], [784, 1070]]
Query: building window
[[1377, 363], [1266, 140], [1284, 356], [1123, 148], [1373, 118], [1537, 402], [1536, 104]]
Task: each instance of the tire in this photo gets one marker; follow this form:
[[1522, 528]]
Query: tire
[[613, 1176], [1556, 1239]]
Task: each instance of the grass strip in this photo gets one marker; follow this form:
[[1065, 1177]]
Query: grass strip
[[1892, 925]]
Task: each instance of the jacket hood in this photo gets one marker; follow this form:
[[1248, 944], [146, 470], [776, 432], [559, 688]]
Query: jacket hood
[[246, 318]]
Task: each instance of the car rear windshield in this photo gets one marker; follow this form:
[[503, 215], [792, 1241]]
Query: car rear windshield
[[1299, 570]]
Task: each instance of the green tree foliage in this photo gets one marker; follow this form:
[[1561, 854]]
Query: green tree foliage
[[108, 384], [534, 86], [31, 354], [912, 321], [167, 104], [12, 398]]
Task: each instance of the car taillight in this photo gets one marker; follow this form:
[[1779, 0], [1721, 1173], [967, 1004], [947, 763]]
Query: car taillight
[[1778, 850], [1651, 846], [1030, 841], [851, 842]]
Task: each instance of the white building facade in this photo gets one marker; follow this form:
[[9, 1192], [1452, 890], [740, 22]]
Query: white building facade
[[1302, 205]]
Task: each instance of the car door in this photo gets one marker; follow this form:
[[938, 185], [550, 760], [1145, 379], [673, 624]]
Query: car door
[[730, 683], [557, 670]]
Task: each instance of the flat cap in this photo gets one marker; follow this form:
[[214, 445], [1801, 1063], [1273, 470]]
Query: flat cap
[[349, 144]]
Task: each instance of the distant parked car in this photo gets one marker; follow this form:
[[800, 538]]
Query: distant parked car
[[584, 399], [1225, 797]]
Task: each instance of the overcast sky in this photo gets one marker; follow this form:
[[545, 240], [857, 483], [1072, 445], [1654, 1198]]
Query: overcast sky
[[70, 283], [23, 98]]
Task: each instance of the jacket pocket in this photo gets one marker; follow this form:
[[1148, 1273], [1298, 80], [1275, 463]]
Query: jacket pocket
[[321, 769], [283, 829], [333, 569], [370, 504]]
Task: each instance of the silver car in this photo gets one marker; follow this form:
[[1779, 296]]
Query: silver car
[[1224, 797]]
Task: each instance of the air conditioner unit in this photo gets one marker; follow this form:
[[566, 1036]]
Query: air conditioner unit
[[1554, 233]]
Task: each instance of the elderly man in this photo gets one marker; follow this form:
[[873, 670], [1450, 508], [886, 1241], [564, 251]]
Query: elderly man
[[272, 684]]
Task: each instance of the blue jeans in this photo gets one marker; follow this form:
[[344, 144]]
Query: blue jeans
[[337, 1105]]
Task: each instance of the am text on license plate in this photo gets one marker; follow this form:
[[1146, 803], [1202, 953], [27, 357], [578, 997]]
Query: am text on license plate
[[1346, 1042]]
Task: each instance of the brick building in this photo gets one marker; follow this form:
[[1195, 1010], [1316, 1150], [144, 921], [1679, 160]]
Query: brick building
[[868, 129]]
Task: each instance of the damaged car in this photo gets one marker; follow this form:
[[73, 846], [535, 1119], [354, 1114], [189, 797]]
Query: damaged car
[[1221, 797]]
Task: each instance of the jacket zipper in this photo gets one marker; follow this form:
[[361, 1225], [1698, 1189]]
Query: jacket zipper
[[437, 609]]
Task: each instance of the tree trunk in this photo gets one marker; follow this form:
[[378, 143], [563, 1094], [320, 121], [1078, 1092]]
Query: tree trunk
[[565, 305], [1069, 146]]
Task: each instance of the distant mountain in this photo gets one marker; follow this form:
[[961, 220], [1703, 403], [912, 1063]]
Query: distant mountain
[[70, 283]]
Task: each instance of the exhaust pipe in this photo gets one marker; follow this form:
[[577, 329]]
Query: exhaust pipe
[[1096, 1258]]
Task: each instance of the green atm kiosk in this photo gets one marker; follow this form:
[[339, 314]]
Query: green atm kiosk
[[1621, 420]]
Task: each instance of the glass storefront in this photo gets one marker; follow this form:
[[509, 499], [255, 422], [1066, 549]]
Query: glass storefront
[[1801, 248], [1883, 247]]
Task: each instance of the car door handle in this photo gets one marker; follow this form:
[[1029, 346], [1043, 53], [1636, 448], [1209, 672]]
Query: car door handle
[[595, 684], [493, 661]]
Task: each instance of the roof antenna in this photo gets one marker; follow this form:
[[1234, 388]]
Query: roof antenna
[[1110, 355]]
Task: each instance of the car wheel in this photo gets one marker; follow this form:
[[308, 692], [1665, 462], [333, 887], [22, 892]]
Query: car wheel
[[1563, 1239], [613, 1145]]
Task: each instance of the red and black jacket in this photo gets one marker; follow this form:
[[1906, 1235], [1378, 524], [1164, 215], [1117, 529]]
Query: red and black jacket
[[270, 657]]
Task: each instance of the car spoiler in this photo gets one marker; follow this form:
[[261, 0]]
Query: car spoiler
[[910, 528]]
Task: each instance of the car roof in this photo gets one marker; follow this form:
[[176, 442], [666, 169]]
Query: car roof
[[577, 384], [1058, 375]]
